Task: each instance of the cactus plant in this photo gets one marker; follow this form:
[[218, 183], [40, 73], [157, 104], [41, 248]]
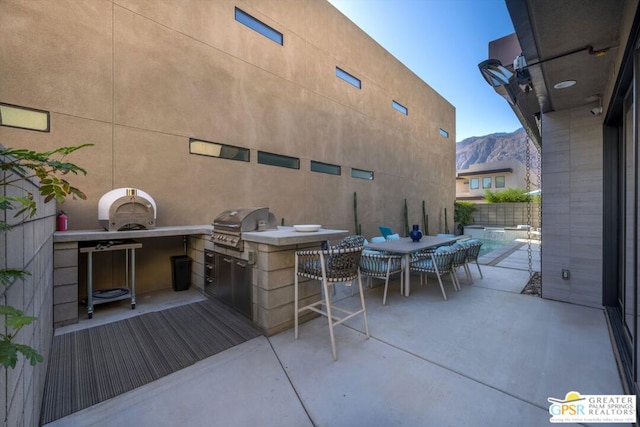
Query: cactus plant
[[446, 222], [406, 218], [425, 219], [358, 226]]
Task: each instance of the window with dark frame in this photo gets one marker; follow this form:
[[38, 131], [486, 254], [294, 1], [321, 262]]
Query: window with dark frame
[[499, 181], [221, 151], [361, 174], [258, 26], [486, 182], [280, 160], [325, 168], [15, 116], [474, 183], [399, 107], [444, 133], [354, 81]]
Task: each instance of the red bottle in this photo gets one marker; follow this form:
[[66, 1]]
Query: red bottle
[[62, 221]]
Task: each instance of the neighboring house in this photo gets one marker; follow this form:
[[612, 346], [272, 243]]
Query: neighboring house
[[574, 87], [214, 105], [472, 182]]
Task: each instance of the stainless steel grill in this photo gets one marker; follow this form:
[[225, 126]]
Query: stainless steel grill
[[229, 225], [127, 209]]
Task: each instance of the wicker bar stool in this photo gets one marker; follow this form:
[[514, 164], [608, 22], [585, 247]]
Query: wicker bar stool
[[331, 266]]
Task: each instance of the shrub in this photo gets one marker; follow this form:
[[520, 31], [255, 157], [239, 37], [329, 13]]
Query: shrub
[[510, 195], [462, 213]]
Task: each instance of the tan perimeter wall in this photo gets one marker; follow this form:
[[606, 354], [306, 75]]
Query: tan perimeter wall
[[139, 78], [572, 206]]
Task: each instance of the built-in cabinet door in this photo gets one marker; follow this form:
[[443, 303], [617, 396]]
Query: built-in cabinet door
[[233, 283], [224, 278], [242, 298]]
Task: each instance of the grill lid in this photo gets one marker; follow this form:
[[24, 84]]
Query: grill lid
[[238, 220]]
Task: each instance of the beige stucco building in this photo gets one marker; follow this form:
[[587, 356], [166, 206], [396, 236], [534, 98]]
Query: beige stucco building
[[143, 81], [140, 79], [472, 182]]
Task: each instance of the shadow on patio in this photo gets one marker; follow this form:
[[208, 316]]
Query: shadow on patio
[[487, 356]]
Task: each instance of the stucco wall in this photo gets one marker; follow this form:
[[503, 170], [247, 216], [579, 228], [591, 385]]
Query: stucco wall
[[572, 206], [28, 246], [139, 78]]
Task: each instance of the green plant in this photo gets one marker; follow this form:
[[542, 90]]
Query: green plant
[[425, 219], [446, 222], [18, 166], [355, 214], [510, 195], [406, 218], [463, 212]]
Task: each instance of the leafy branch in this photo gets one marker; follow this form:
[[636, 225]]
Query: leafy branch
[[43, 166], [49, 169], [14, 321]]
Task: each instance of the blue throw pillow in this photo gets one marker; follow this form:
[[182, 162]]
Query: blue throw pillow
[[393, 237], [371, 252], [378, 239], [443, 249], [385, 231]]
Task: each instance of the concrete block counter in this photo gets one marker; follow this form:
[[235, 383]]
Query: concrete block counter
[[273, 254], [67, 246]]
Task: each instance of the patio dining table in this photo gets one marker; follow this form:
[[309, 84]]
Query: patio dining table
[[406, 246]]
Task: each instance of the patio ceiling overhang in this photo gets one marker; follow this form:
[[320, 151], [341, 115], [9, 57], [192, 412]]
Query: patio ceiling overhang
[[560, 41]]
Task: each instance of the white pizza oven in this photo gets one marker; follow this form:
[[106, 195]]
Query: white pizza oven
[[127, 209]]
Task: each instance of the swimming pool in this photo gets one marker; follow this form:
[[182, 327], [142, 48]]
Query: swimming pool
[[489, 245], [493, 238]]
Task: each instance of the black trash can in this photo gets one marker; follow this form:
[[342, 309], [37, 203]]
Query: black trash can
[[181, 272]]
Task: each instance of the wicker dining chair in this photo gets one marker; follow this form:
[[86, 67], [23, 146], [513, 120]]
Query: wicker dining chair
[[437, 262], [380, 265], [330, 267], [460, 260], [473, 251]]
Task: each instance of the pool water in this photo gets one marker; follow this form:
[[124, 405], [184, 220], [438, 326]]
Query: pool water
[[489, 245]]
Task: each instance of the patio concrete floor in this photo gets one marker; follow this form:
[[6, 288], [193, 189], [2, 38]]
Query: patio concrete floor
[[486, 356]]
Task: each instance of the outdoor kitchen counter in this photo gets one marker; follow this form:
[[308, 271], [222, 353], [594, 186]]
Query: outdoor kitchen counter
[[66, 258], [102, 234], [285, 236], [271, 256]]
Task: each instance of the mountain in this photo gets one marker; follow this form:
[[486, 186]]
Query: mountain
[[495, 147]]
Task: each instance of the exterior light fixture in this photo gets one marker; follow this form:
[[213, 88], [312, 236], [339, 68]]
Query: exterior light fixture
[[596, 111], [495, 73], [564, 84], [501, 79]]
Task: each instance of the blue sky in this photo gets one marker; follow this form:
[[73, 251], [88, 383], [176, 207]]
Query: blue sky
[[442, 41]]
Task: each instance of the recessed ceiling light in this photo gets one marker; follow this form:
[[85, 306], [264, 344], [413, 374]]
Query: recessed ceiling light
[[564, 84]]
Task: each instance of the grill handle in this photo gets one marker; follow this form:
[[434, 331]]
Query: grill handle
[[226, 225]]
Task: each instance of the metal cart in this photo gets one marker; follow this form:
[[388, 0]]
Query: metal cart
[[129, 246]]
